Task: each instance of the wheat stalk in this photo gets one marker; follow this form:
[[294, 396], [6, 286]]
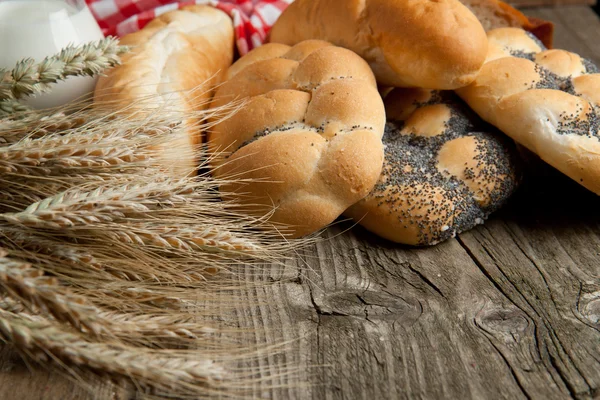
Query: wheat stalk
[[60, 250], [190, 239], [141, 296], [36, 163], [37, 290], [40, 293], [130, 327], [102, 260], [150, 327], [136, 253], [161, 369], [98, 150], [29, 78], [104, 204], [130, 203]]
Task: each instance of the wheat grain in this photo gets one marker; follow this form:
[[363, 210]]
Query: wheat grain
[[93, 151], [10, 107]]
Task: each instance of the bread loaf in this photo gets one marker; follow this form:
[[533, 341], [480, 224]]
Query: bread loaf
[[546, 100], [418, 43], [496, 14], [178, 51], [308, 136], [444, 171]]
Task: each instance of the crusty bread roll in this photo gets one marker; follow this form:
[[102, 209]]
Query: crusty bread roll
[[546, 100], [174, 53], [444, 171], [408, 43], [496, 14], [308, 136]]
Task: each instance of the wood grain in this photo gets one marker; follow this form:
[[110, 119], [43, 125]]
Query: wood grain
[[509, 310], [550, 3]]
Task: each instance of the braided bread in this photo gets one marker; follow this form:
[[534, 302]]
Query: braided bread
[[546, 100], [309, 135], [443, 172], [432, 44], [174, 53]]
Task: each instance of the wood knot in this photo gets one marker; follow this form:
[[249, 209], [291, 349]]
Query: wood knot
[[372, 305], [589, 307], [502, 321]]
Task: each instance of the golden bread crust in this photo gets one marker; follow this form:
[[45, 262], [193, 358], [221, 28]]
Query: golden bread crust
[[402, 46], [546, 100], [309, 133], [443, 173], [174, 53]]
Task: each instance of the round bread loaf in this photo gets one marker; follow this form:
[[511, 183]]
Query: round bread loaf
[[178, 51], [308, 135], [420, 43], [444, 171], [546, 100]]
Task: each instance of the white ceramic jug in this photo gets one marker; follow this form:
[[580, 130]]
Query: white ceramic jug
[[40, 28]]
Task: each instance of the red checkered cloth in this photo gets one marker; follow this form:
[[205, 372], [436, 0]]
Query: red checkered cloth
[[252, 19]]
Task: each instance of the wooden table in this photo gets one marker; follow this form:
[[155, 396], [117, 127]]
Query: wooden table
[[509, 310]]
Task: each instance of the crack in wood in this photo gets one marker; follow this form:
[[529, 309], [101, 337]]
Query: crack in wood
[[511, 370], [424, 278]]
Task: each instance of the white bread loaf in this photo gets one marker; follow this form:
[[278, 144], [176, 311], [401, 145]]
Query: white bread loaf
[[309, 135], [408, 43], [546, 100], [444, 171], [176, 52]]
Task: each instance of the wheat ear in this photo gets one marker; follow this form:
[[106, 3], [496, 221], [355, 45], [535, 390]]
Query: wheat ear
[[40, 293], [190, 239], [130, 327], [161, 369], [102, 205], [10, 107], [29, 78], [37, 290]]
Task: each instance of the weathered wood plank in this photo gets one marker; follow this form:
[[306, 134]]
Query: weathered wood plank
[[550, 3], [577, 29], [509, 310], [544, 257], [20, 381]]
